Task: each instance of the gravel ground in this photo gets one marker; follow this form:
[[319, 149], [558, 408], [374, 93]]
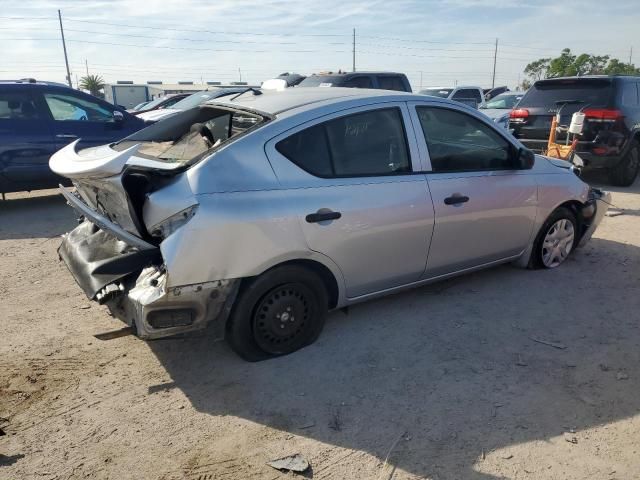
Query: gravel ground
[[449, 381]]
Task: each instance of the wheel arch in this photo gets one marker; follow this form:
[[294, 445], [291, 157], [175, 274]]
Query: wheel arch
[[328, 277]]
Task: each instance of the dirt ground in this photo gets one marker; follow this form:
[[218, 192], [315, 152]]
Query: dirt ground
[[505, 373]]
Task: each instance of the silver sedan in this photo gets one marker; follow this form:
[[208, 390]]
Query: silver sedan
[[255, 214]]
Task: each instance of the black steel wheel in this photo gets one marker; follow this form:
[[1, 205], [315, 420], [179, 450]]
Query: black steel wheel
[[278, 313]]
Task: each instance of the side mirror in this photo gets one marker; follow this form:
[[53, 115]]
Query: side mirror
[[525, 160], [118, 117]]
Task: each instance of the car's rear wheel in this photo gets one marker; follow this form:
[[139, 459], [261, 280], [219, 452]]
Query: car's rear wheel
[[556, 239], [625, 173], [277, 313]]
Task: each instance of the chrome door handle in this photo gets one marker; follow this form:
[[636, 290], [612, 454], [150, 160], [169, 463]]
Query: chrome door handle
[[455, 199], [66, 135]]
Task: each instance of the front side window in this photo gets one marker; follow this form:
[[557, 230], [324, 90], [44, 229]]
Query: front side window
[[458, 142], [363, 144], [17, 106], [69, 107]]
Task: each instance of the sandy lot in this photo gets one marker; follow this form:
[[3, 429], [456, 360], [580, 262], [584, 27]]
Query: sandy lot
[[448, 381]]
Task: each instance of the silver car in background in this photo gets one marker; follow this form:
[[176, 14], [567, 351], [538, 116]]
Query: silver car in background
[[257, 213], [499, 107]]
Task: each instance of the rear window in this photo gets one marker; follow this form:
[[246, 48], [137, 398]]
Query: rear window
[[549, 93], [188, 136], [390, 82]]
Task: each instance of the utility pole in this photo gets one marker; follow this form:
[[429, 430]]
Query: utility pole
[[495, 57], [86, 65], [240, 73], [630, 56], [420, 79], [64, 47], [354, 49]]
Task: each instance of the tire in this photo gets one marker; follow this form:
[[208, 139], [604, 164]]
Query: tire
[[556, 240], [624, 174], [277, 313]]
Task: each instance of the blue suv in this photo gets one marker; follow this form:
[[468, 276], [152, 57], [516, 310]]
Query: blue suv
[[39, 118]]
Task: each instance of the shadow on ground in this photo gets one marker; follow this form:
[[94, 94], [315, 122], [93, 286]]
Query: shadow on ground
[[41, 215], [457, 368]]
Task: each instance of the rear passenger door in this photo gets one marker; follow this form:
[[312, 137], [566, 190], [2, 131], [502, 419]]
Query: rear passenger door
[[26, 142], [354, 180], [484, 205]]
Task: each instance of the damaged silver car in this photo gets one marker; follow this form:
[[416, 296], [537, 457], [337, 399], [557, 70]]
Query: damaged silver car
[[254, 215]]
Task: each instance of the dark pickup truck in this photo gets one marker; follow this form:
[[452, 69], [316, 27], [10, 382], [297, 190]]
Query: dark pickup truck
[[611, 135]]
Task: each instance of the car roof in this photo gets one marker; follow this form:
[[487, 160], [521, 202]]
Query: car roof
[[276, 102], [32, 81], [363, 72]]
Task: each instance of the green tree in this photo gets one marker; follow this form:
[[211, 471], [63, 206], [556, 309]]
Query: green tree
[[569, 65], [538, 69], [93, 83], [616, 67]]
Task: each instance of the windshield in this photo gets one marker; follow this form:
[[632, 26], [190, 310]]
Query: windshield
[[586, 92], [140, 105], [322, 81], [437, 92], [186, 136], [504, 101], [154, 103]]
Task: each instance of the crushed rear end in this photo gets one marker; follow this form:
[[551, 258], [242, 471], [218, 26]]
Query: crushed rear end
[[131, 197]]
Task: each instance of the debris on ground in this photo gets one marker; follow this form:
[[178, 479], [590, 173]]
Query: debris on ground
[[614, 213], [557, 345], [568, 437], [293, 463], [622, 376], [520, 362]]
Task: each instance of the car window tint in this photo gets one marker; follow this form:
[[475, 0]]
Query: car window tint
[[309, 150], [362, 144], [630, 95], [16, 105], [467, 94], [391, 83], [358, 82], [69, 107], [458, 142]]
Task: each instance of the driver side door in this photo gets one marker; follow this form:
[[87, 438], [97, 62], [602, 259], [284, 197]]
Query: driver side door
[[77, 116]]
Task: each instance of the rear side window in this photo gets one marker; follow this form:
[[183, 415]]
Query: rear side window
[[388, 82], [358, 82], [551, 93], [467, 94], [17, 105], [458, 142], [363, 144]]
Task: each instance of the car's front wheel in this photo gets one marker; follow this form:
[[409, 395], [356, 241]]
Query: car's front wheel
[[556, 239], [277, 313]]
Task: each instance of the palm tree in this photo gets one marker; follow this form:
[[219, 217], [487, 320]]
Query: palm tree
[[93, 83]]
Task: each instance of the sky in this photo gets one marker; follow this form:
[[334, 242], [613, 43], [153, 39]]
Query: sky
[[436, 43]]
